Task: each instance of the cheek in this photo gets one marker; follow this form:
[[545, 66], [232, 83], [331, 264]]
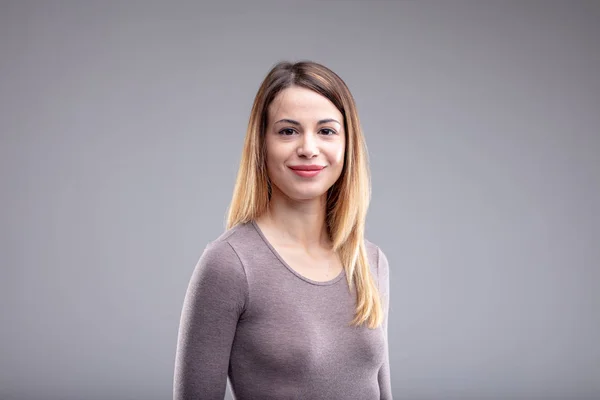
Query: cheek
[[275, 157], [337, 153]]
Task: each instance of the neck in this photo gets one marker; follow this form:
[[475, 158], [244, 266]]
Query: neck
[[299, 223]]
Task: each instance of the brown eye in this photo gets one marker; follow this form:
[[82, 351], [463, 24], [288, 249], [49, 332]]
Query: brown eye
[[286, 132], [327, 131]]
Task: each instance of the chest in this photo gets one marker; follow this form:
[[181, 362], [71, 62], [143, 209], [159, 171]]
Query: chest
[[307, 332], [319, 267]]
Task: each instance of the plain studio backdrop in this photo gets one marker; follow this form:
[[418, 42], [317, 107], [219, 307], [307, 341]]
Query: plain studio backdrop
[[122, 126]]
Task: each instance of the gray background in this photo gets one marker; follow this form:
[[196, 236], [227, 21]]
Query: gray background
[[122, 125]]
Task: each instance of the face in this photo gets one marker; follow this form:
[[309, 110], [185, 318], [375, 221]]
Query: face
[[305, 142]]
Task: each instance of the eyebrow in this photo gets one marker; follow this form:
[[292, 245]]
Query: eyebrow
[[320, 122]]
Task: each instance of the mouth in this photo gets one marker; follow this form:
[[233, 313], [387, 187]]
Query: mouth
[[307, 171]]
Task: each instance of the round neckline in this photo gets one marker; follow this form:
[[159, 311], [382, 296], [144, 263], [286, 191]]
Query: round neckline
[[292, 270]]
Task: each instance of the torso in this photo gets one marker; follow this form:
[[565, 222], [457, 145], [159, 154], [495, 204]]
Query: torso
[[293, 338]]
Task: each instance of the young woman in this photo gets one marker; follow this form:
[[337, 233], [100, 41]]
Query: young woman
[[291, 301]]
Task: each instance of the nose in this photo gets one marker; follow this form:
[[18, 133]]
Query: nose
[[308, 146]]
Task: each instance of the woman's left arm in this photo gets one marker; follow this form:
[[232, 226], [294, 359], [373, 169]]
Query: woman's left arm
[[383, 275]]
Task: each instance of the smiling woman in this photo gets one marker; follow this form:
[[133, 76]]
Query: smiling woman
[[306, 140], [291, 301]]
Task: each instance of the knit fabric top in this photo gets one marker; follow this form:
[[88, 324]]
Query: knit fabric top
[[248, 316]]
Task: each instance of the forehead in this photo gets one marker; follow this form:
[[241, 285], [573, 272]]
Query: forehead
[[302, 104]]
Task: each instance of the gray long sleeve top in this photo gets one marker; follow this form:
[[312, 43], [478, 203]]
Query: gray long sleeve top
[[276, 334]]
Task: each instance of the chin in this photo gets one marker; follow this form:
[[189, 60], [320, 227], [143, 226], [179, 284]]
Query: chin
[[308, 197], [303, 195], [301, 191]]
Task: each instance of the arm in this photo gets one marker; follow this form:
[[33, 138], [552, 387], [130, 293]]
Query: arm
[[385, 385], [216, 297]]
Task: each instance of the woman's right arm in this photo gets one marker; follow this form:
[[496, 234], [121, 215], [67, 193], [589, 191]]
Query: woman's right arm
[[216, 297]]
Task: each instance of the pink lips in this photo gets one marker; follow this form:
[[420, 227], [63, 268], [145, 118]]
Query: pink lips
[[306, 171]]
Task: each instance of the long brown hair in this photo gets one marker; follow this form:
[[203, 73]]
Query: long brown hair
[[347, 200]]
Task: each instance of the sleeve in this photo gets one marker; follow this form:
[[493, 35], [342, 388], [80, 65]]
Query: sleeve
[[383, 377], [215, 299]]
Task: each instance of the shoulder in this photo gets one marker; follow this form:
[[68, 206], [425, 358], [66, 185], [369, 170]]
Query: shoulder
[[218, 279], [220, 260], [228, 241], [241, 238], [378, 260], [227, 251]]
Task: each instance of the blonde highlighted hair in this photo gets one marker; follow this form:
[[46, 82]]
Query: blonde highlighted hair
[[347, 200]]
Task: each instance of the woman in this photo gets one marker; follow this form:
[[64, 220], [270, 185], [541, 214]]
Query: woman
[[267, 304]]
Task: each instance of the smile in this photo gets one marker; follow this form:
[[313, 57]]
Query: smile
[[308, 171]]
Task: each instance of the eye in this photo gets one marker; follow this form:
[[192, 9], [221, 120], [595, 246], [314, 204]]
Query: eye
[[287, 132], [328, 132]]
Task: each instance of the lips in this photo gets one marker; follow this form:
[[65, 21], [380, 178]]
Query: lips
[[306, 171], [306, 167]]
